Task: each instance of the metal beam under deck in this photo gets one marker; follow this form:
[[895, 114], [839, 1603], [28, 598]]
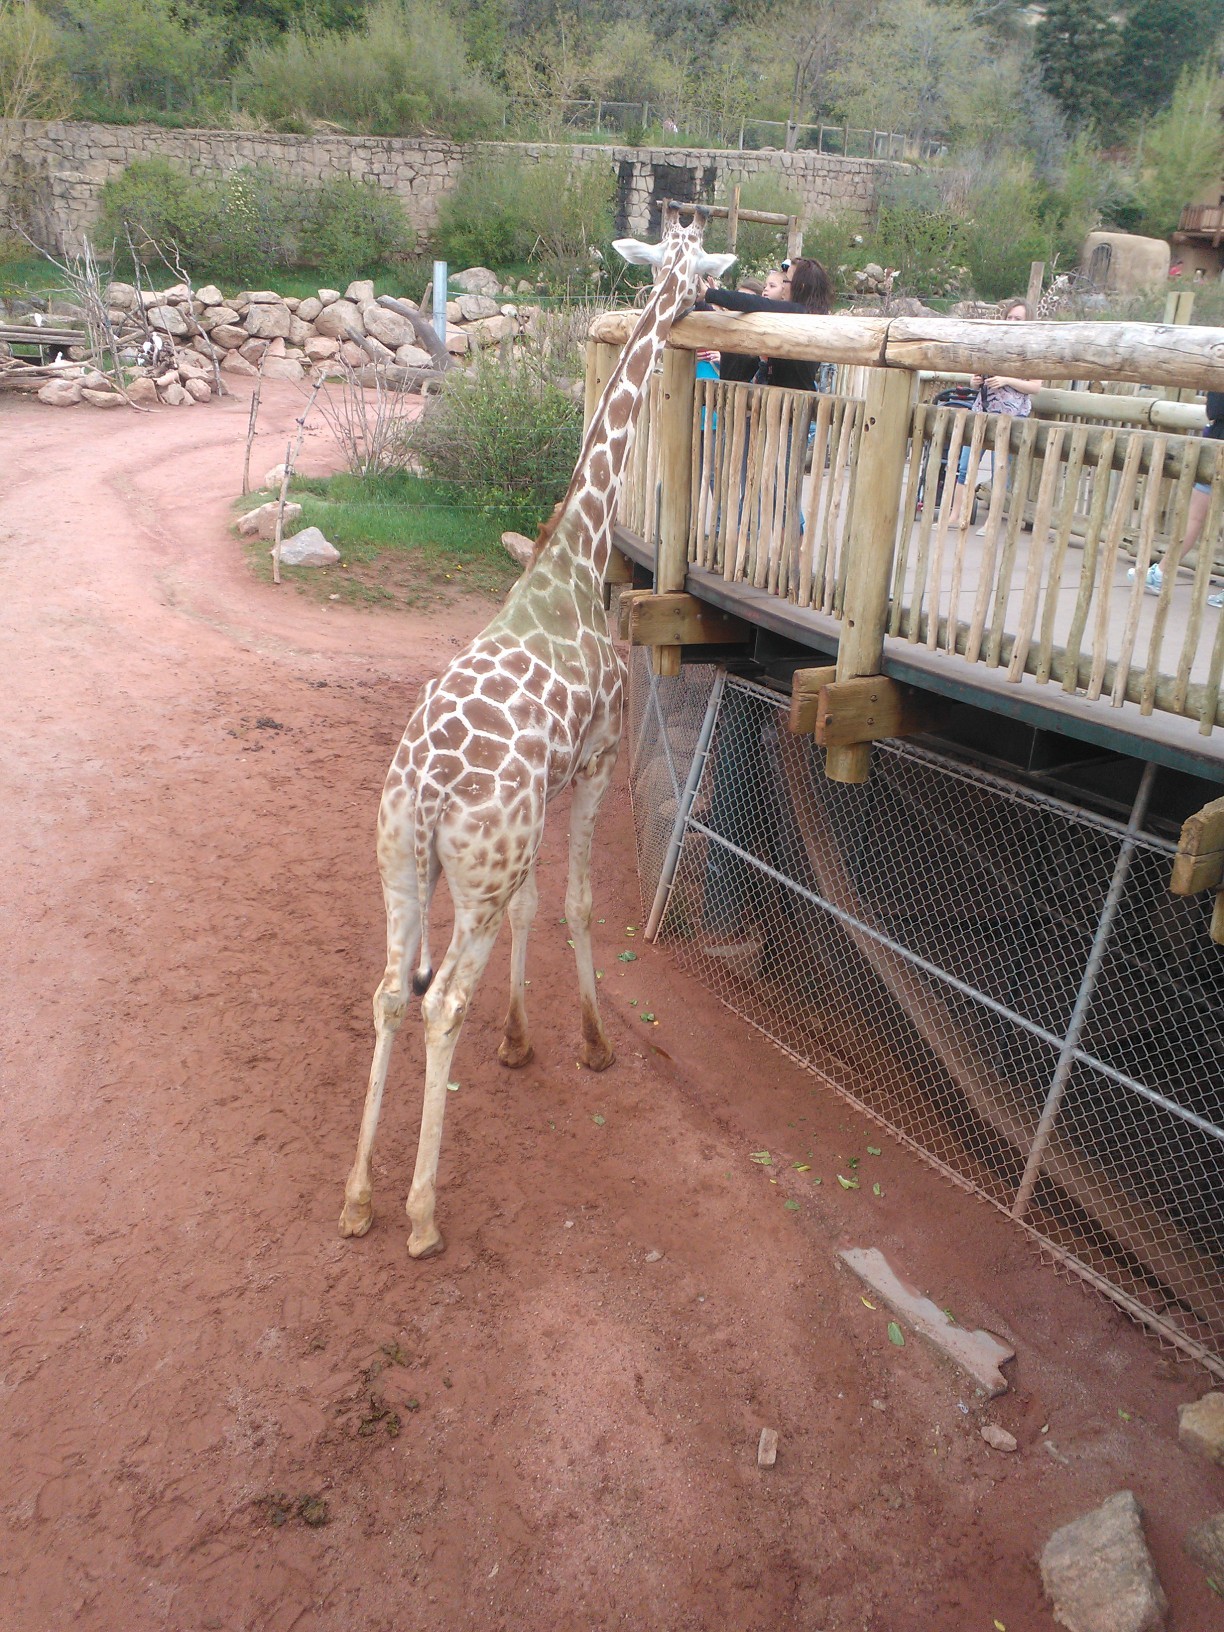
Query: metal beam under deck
[[1164, 739]]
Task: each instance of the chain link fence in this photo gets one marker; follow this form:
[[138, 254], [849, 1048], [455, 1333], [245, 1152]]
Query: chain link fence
[[999, 977]]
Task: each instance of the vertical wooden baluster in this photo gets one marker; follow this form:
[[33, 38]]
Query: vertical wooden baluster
[[1066, 515], [1123, 504], [1088, 564], [1040, 539], [820, 568], [1202, 578], [981, 423], [746, 543], [812, 493], [1021, 473], [955, 443], [729, 486], [855, 415], [935, 452], [801, 420], [771, 481], [990, 538], [922, 416], [1175, 529], [838, 494]]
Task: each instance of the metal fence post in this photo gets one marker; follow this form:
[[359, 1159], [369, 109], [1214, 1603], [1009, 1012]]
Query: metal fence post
[[1083, 1000], [685, 804]]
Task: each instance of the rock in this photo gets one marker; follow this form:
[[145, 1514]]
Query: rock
[[228, 336], [328, 297], [308, 549], [97, 381], [309, 309], [388, 327], [998, 1438], [523, 288], [210, 295], [1205, 1544], [320, 349], [414, 357], [360, 291], [190, 362], [453, 313], [295, 352], [1098, 1574], [654, 1256], [177, 396], [335, 320], [1200, 1426], [267, 322], [261, 521], [168, 377], [299, 332], [273, 478], [292, 301], [216, 316], [121, 295], [60, 393], [198, 388], [909, 306], [282, 368], [260, 297], [457, 342], [253, 350], [477, 280], [490, 331], [101, 399], [170, 320], [177, 293], [872, 271], [352, 354], [472, 307], [143, 392], [767, 1448], [275, 348], [235, 363]]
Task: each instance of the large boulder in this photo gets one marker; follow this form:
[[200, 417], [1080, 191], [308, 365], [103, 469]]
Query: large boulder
[[477, 280], [260, 297], [143, 392], [228, 336], [122, 296], [210, 295], [170, 320], [360, 291], [334, 321], [308, 548], [261, 521], [177, 396], [413, 357], [328, 297], [299, 332], [320, 349], [352, 354], [389, 327], [265, 321], [490, 331], [101, 399], [1098, 1573], [215, 317], [472, 307], [198, 388], [60, 393], [309, 309], [235, 363], [282, 368]]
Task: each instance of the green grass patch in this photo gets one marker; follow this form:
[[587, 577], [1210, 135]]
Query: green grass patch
[[404, 542]]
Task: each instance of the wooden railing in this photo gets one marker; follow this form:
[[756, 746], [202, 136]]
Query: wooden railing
[[841, 504], [1204, 218]]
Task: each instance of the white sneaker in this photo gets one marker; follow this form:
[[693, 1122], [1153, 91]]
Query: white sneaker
[[1216, 598], [1153, 579]]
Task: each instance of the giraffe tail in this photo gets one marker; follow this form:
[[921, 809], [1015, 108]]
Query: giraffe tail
[[426, 872]]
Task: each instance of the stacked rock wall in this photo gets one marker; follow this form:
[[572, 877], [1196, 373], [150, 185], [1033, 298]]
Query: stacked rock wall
[[54, 182]]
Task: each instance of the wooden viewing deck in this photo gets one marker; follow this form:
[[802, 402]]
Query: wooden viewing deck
[[824, 520]]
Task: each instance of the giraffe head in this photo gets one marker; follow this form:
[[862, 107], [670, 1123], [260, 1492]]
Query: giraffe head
[[678, 254]]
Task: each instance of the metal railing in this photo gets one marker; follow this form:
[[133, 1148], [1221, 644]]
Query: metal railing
[[1000, 978]]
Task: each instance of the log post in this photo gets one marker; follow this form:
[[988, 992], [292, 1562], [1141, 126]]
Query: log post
[[1036, 279], [733, 218], [675, 484], [871, 543]]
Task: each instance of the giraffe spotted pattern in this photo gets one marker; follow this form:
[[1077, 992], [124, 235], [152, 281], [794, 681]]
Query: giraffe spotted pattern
[[532, 706]]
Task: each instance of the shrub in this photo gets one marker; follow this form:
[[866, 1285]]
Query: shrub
[[243, 226], [505, 212], [405, 73], [1181, 152], [508, 432], [139, 54], [1005, 234], [918, 233]]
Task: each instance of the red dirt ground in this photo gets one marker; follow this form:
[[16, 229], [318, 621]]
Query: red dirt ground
[[193, 933]]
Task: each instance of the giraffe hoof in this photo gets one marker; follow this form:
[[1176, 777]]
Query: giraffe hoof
[[430, 1247], [597, 1056], [515, 1055], [356, 1218]]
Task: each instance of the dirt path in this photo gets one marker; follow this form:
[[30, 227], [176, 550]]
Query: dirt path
[[189, 773]]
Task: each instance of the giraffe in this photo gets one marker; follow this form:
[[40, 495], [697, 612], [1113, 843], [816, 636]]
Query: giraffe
[[533, 705]]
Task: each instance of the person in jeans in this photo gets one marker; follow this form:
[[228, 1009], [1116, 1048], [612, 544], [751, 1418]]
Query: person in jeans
[[999, 394], [1200, 501]]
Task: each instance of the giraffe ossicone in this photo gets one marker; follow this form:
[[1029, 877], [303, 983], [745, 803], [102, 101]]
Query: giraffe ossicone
[[532, 706]]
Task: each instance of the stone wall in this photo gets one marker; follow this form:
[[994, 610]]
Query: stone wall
[[54, 181]]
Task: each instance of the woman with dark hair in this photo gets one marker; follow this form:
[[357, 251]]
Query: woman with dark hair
[[803, 288]]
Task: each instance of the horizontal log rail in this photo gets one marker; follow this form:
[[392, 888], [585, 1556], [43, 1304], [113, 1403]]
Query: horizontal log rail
[[1154, 353]]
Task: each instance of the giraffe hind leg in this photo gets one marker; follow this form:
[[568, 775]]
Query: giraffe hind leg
[[444, 1008], [589, 788], [516, 1048]]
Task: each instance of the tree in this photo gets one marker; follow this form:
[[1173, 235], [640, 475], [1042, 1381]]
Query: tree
[[1076, 43], [1181, 151], [134, 54], [911, 70], [1160, 39], [32, 83]]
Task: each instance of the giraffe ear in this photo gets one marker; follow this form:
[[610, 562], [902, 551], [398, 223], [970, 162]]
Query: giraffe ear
[[715, 266], [638, 253]]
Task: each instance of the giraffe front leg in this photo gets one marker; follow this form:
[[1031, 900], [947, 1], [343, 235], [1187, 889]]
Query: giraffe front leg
[[590, 786], [390, 1003], [515, 1048], [444, 1007]]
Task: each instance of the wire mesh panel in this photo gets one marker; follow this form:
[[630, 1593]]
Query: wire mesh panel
[[1000, 977]]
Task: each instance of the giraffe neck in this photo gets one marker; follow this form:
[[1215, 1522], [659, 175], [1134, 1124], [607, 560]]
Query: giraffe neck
[[584, 524]]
